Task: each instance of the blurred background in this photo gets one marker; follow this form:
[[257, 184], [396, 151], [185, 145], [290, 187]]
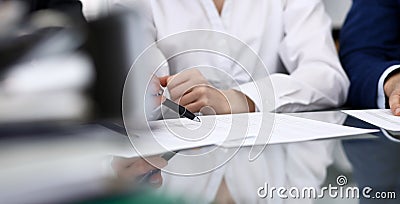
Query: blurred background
[[337, 9]]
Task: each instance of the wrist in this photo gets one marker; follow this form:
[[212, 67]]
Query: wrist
[[238, 102], [391, 83]]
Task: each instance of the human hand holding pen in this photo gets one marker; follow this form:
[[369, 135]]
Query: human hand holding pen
[[190, 89], [131, 169]]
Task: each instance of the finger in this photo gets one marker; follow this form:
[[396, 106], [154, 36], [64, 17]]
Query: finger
[[195, 107], [129, 174], [156, 180], [182, 89], [164, 80], [189, 98], [143, 166], [394, 102], [184, 76], [157, 161], [138, 168], [159, 100], [118, 163], [177, 80]]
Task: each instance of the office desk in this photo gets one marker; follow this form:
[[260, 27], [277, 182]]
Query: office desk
[[74, 165]]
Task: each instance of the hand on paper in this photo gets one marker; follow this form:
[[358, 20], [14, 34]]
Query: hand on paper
[[191, 89], [183, 82], [392, 91]]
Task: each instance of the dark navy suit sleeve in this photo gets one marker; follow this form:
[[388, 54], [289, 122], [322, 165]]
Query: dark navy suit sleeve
[[370, 43]]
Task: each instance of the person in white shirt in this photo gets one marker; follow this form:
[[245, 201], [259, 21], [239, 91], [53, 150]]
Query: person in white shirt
[[293, 39]]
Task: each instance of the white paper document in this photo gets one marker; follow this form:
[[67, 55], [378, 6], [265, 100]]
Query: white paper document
[[382, 118], [238, 130], [289, 129]]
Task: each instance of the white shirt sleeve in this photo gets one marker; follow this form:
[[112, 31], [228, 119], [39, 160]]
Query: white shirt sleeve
[[250, 90], [315, 78], [389, 136], [381, 95]]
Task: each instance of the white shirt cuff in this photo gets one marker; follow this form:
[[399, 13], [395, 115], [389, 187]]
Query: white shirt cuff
[[389, 136], [251, 91], [381, 94], [381, 97]]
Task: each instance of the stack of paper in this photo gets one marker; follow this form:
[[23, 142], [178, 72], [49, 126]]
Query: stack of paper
[[382, 118], [289, 129]]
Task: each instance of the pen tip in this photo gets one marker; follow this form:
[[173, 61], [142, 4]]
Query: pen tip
[[197, 119]]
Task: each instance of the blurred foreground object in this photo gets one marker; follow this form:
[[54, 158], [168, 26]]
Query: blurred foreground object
[[59, 164], [117, 45], [60, 83], [43, 76]]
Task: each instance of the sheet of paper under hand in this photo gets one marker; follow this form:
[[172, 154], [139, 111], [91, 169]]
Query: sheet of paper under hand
[[239, 130], [382, 118], [289, 129]]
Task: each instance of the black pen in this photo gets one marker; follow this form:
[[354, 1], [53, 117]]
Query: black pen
[[182, 111], [145, 179]]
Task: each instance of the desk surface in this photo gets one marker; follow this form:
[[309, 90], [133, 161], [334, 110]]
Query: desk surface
[[59, 168]]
